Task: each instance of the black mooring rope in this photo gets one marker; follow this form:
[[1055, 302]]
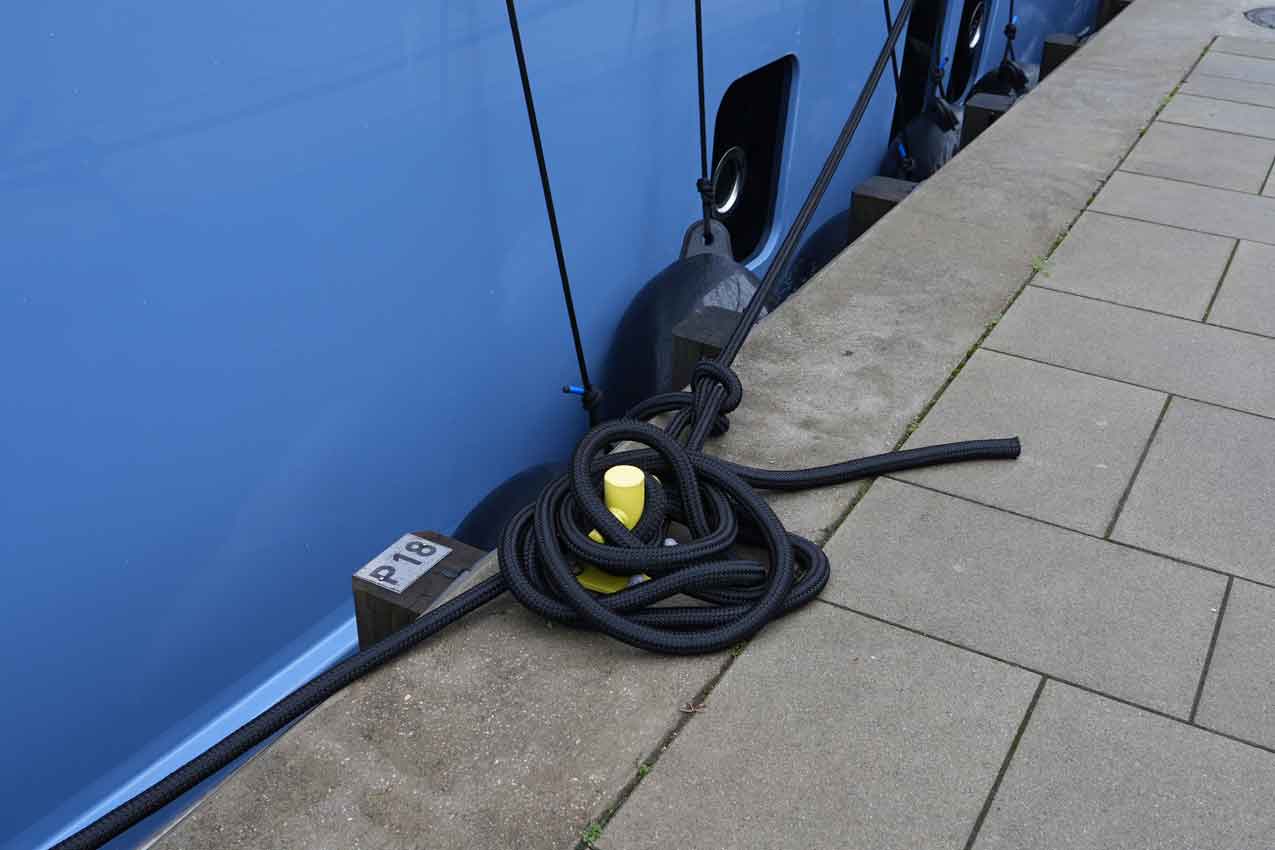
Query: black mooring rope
[[716, 500], [704, 184], [590, 397]]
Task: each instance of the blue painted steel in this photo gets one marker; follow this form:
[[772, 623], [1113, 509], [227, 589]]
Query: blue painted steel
[[273, 278]]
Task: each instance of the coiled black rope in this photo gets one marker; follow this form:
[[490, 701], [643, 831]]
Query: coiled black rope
[[717, 501]]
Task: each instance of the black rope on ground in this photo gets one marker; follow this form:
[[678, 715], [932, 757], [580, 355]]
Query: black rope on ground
[[717, 501]]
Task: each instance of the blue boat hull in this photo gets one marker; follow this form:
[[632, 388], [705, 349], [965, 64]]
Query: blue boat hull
[[278, 287]]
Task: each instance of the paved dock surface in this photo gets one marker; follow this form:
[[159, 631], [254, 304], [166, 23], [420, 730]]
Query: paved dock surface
[[1074, 650]]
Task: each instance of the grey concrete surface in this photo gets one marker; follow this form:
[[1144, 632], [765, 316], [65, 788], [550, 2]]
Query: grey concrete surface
[[1082, 438], [1245, 47], [1221, 115], [1170, 150], [1139, 264], [833, 731], [1160, 352], [1218, 64], [502, 728], [1189, 206], [1206, 491], [1225, 88], [1092, 774], [1247, 297], [1239, 694], [505, 733], [1063, 603]]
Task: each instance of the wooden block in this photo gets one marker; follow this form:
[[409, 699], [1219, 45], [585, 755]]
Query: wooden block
[[1109, 9], [401, 583], [700, 336], [1058, 48], [981, 111], [872, 199]]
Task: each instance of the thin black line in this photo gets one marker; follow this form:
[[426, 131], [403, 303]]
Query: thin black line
[[1088, 297], [1142, 458], [1009, 756], [1228, 99], [1216, 49], [706, 205], [1235, 133], [1174, 316], [549, 208], [1266, 184], [1208, 658], [1130, 383], [1188, 229], [1069, 682], [1089, 534], [1127, 170], [1217, 290]]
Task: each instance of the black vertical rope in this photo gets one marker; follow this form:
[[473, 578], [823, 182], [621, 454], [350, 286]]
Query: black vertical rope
[[704, 185], [894, 60], [591, 397]]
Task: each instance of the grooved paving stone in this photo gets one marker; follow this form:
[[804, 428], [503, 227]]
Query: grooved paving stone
[[1220, 115], [1175, 355], [1188, 206], [1093, 774], [1176, 151], [1239, 694], [500, 732], [1217, 64], [1206, 491], [1082, 437], [1139, 264], [1225, 88], [1245, 47], [1069, 605], [1247, 297], [832, 730]]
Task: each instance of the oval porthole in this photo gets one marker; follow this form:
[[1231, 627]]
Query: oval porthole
[[728, 180], [974, 31]]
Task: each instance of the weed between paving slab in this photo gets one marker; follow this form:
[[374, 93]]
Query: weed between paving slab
[[593, 831]]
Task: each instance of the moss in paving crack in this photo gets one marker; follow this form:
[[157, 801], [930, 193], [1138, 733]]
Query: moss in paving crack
[[591, 833], [643, 770]]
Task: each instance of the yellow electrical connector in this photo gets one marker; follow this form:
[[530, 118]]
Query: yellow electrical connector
[[624, 491]]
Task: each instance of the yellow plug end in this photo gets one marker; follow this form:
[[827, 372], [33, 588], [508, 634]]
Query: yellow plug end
[[624, 491]]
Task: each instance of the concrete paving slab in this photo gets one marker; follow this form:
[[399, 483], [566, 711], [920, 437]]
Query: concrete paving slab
[[1225, 88], [840, 370], [1082, 437], [1223, 115], [1206, 491], [1177, 356], [1189, 206], [1239, 693], [1139, 264], [833, 730], [1072, 606], [1235, 162], [1093, 774], [1244, 47], [1218, 64], [1247, 297], [502, 728]]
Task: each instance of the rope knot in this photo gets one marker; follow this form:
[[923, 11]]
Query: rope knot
[[723, 376], [705, 188]]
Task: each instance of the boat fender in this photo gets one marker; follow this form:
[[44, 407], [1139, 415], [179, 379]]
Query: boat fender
[[639, 363], [929, 147]]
